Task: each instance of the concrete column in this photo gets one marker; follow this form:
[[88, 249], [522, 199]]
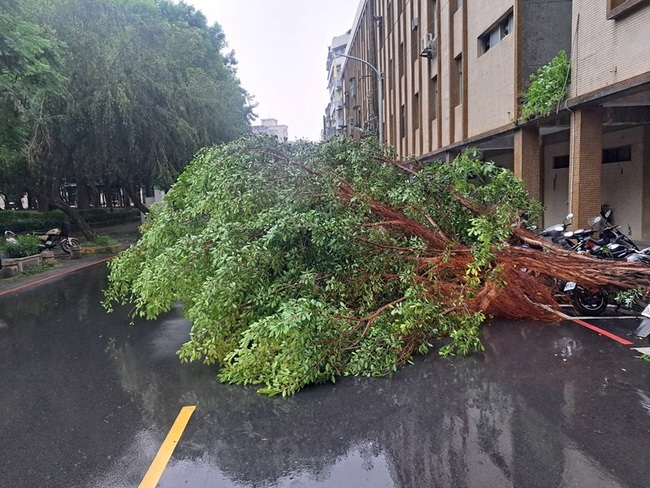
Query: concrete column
[[528, 160], [585, 161], [645, 202]]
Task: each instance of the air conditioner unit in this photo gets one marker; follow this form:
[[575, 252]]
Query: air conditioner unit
[[429, 45]]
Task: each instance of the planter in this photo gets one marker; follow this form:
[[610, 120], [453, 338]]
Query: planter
[[114, 249], [14, 266]]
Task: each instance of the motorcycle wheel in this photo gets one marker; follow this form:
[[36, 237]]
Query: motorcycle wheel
[[586, 302], [68, 243]]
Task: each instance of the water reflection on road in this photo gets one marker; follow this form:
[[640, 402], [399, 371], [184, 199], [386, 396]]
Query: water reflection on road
[[86, 400]]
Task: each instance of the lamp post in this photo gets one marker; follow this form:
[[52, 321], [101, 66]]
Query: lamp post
[[380, 82]]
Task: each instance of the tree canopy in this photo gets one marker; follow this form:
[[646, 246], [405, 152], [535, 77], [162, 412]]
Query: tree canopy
[[136, 87], [298, 264]]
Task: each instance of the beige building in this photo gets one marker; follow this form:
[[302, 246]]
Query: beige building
[[454, 73], [270, 126]]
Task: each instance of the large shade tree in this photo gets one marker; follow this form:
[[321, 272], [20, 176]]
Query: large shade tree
[[148, 84], [30, 63]]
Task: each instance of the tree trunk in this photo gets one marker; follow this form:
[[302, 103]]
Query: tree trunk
[[135, 197], [82, 199], [71, 212]]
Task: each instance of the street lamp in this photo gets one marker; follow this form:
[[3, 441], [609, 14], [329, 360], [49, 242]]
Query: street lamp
[[380, 82]]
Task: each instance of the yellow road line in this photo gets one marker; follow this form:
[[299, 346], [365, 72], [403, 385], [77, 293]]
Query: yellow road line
[[159, 463]]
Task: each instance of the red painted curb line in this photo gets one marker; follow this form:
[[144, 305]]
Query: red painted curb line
[[51, 277], [618, 339], [625, 342]]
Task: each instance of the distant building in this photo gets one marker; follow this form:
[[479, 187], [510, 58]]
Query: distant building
[[333, 121], [270, 126]]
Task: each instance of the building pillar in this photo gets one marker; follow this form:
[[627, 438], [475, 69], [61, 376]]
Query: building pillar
[[645, 196], [585, 161], [528, 160]]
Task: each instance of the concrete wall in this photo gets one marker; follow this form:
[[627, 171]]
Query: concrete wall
[[491, 75], [607, 51], [546, 25], [622, 188]]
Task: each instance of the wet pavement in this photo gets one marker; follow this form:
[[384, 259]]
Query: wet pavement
[[86, 400]]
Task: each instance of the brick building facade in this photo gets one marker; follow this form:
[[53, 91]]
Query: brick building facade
[[454, 72]]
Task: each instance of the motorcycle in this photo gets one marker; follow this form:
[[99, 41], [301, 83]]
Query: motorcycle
[[56, 236], [612, 245], [556, 233]]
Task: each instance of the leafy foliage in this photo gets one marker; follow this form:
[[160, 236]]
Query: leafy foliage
[[291, 271], [122, 92], [547, 87], [30, 58], [24, 246]]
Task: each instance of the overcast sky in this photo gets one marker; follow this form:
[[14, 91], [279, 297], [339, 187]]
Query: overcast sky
[[281, 47]]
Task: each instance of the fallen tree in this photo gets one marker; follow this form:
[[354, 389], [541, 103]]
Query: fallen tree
[[298, 264]]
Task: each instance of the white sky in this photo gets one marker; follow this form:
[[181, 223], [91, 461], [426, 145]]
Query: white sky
[[281, 47]]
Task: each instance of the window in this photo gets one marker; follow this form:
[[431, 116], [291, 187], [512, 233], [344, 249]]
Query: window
[[620, 8], [433, 98], [434, 17], [416, 111], [493, 36], [353, 87], [459, 69], [402, 121], [560, 162], [617, 154]]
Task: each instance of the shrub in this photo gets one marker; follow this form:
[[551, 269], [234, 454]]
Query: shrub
[[25, 246], [547, 87], [31, 220]]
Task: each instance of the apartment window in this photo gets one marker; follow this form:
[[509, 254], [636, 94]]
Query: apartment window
[[459, 71], [617, 154], [459, 4], [357, 115], [621, 8], [402, 121], [353, 87], [434, 18], [433, 98], [416, 111], [494, 35]]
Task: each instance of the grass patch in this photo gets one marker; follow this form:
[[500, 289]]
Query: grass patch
[[101, 241], [38, 269]]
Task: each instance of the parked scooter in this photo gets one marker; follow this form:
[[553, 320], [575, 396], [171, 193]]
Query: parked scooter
[[612, 245], [556, 233], [56, 236]]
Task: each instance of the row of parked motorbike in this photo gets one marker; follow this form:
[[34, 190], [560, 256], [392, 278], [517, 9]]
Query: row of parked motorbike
[[611, 244]]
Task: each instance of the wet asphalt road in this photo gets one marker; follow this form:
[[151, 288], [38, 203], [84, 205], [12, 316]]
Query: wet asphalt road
[[86, 401]]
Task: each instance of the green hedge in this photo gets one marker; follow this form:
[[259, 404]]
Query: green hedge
[[26, 246], [29, 220]]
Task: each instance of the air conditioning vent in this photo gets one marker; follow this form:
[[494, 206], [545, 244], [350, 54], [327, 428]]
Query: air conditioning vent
[[429, 46]]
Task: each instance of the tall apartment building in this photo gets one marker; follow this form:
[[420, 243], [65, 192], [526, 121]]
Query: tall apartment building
[[454, 73], [333, 120], [270, 126]]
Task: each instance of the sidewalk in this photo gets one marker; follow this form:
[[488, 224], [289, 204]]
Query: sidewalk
[[125, 234]]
